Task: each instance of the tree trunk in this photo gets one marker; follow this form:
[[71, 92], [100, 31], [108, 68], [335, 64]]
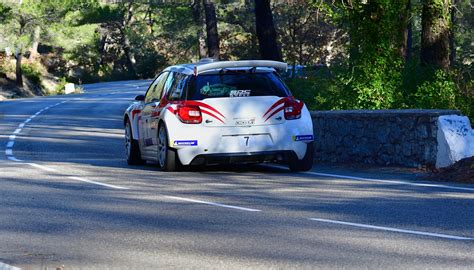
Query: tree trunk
[[198, 20], [211, 29], [266, 33], [18, 70], [452, 44], [128, 54], [406, 27], [435, 33], [34, 46], [409, 41]]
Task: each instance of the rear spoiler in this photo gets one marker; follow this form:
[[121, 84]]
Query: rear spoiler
[[243, 63]]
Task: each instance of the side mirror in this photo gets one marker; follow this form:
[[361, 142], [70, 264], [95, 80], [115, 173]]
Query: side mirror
[[140, 98]]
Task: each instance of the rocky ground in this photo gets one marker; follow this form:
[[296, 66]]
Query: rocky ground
[[461, 171], [9, 89]]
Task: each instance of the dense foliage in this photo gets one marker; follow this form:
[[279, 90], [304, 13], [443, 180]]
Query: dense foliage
[[358, 54]]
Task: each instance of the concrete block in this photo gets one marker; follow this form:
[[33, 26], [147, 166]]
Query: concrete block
[[69, 88], [455, 140]]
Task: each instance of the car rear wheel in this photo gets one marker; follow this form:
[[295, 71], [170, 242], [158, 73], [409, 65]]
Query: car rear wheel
[[167, 158], [132, 148], [305, 164]]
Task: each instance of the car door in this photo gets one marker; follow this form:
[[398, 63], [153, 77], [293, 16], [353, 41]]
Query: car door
[[152, 99], [157, 106]]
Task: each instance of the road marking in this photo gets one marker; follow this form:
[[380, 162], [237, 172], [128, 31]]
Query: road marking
[[95, 182], [453, 237], [12, 137], [214, 204], [14, 159], [379, 180], [10, 156], [4, 266], [41, 167]]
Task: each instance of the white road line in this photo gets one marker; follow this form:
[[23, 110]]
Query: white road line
[[12, 137], [379, 180], [41, 167], [9, 152], [4, 266], [214, 204], [22, 125], [17, 131], [453, 237], [95, 183], [27, 121], [10, 144], [14, 159]]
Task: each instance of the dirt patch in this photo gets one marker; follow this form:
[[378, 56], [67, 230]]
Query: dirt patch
[[461, 171], [9, 90]]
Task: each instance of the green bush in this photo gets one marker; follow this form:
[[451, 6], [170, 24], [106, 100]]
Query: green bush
[[439, 92], [32, 73], [423, 88], [60, 87]]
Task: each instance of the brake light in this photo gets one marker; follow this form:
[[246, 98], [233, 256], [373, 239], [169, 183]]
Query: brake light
[[292, 108], [189, 114]]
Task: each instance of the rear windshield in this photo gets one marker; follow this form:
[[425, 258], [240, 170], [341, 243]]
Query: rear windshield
[[236, 85]]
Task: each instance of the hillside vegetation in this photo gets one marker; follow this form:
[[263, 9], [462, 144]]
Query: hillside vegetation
[[356, 54]]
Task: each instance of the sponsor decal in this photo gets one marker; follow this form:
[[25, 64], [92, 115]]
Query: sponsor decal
[[186, 143], [303, 138], [240, 93]]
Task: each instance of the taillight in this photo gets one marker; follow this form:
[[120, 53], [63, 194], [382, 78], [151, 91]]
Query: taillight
[[292, 109], [189, 114]]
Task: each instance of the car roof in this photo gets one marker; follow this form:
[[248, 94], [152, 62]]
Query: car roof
[[207, 66]]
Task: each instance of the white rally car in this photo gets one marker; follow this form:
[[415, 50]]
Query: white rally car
[[216, 112]]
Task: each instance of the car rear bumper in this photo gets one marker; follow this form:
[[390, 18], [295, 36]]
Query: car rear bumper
[[229, 146], [192, 142], [242, 158]]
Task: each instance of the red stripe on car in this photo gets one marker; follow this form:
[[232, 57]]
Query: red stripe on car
[[201, 104], [211, 114], [173, 111], [282, 100], [135, 112], [275, 112]]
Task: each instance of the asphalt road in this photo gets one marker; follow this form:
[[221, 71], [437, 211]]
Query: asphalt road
[[68, 198]]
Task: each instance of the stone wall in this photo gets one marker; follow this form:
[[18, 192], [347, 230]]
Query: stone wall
[[384, 137]]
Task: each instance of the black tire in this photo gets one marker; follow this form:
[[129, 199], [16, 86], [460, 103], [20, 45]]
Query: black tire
[[132, 148], [167, 158], [305, 164]]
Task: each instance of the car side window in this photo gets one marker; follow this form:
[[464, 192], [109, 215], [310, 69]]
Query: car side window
[[149, 92], [177, 87], [154, 92], [159, 86], [169, 83]]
